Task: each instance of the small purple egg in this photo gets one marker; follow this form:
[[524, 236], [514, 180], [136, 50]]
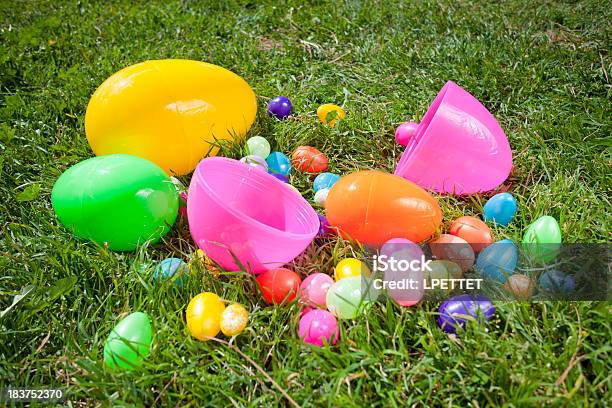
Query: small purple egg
[[280, 107], [456, 311]]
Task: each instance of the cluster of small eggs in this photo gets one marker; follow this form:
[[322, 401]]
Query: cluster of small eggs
[[473, 245], [306, 159], [207, 315], [324, 299]]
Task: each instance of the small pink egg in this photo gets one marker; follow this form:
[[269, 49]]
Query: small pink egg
[[405, 132], [314, 289], [319, 326]]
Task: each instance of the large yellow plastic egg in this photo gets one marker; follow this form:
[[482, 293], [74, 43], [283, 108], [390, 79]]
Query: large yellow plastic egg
[[169, 111], [204, 315]]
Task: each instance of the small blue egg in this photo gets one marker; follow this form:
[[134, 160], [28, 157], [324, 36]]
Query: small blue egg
[[558, 282], [278, 163], [500, 209], [325, 180], [167, 268], [498, 260]]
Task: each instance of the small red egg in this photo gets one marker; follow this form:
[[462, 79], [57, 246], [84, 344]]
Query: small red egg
[[472, 230], [279, 285], [308, 159]]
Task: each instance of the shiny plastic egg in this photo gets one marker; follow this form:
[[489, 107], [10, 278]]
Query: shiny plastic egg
[[455, 312], [405, 132], [169, 111], [280, 107], [350, 267], [542, 240], [373, 207], [279, 285], [309, 160], [313, 289], [329, 114], [344, 298], [498, 260], [118, 200], [500, 209], [234, 319], [472, 230], [321, 197], [319, 327], [258, 146], [129, 343], [325, 180], [204, 315], [278, 163], [455, 249]]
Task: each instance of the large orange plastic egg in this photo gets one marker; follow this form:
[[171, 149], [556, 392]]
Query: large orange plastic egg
[[374, 207], [170, 112]]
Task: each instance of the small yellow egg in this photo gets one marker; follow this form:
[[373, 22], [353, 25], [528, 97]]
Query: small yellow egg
[[350, 267], [234, 319], [329, 114], [204, 315]]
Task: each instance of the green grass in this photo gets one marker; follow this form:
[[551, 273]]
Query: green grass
[[542, 68]]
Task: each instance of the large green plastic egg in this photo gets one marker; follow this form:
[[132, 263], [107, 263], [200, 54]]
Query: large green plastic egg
[[129, 343], [117, 200]]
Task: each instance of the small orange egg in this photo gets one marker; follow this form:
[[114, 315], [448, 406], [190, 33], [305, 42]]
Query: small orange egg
[[472, 230]]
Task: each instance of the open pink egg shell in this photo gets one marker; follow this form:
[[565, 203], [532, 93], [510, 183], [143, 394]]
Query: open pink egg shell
[[458, 148]]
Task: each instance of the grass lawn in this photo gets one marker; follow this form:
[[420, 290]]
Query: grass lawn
[[542, 68]]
